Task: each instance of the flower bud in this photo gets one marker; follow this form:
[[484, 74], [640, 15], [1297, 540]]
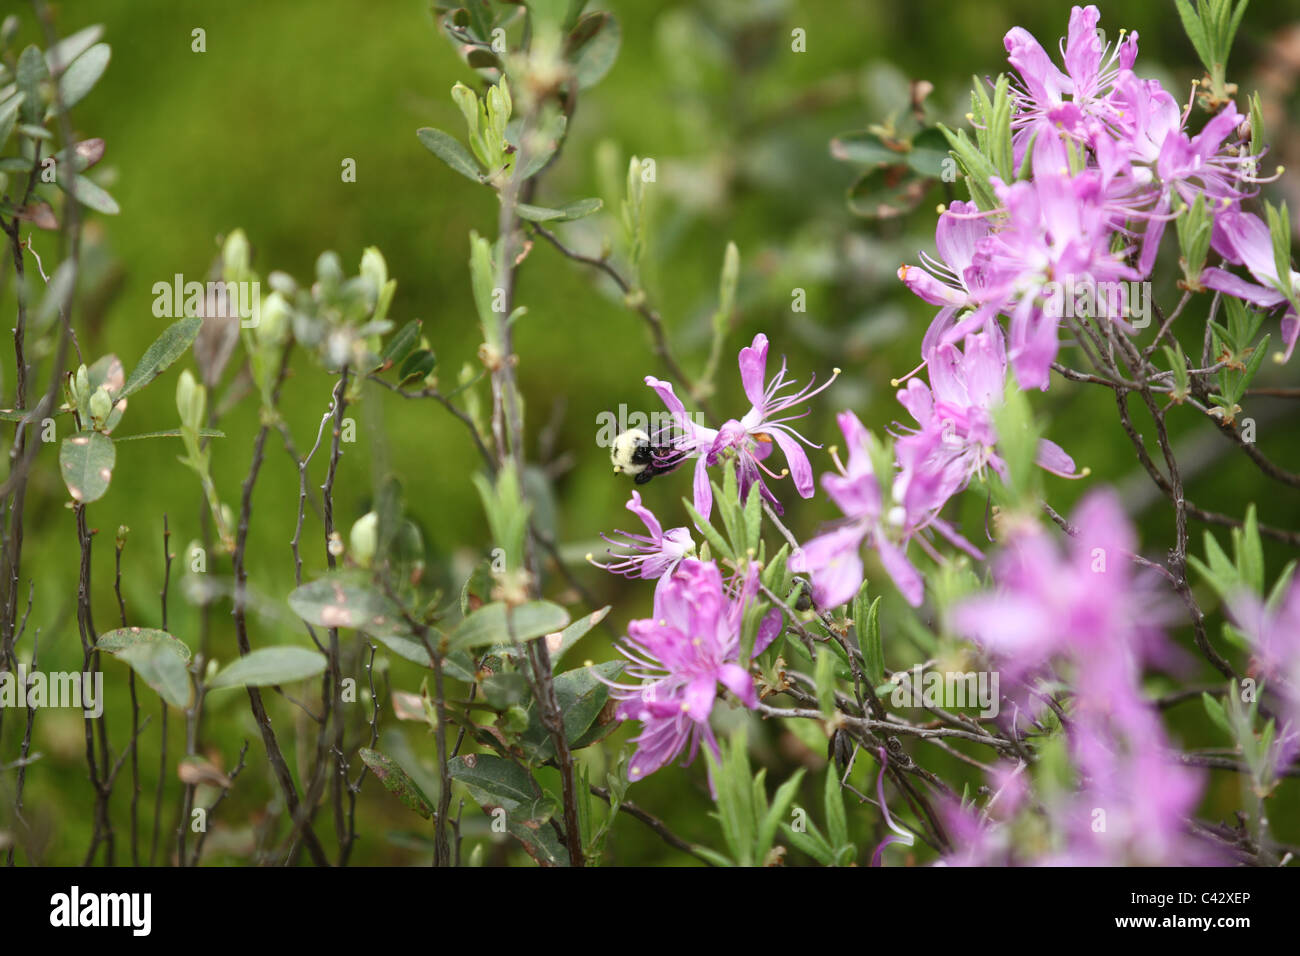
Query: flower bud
[[468, 104], [373, 267], [363, 539], [101, 406], [81, 387], [191, 401], [235, 256], [274, 327]]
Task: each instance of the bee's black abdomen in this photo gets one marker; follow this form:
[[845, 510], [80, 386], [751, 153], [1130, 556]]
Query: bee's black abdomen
[[644, 453]]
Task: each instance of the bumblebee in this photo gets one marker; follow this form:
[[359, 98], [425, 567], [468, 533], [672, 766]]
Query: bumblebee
[[634, 454]]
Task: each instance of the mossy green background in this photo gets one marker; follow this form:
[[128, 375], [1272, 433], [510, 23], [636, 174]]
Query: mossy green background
[[253, 133]]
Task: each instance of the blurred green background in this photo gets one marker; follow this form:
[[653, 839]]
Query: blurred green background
[[253, 133]]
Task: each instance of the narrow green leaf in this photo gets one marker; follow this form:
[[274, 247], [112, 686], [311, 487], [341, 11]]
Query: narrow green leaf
[[450, 151], [397, 781], [89, 194], [164, 350], [80, 78]]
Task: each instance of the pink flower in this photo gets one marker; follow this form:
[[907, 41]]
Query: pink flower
[[649, 556], [965, 387], [1091, 69], [1244, 239], [834, 559], [748, 440], [1273, 630], [956, 279], [681, 655], [1081, 614], [1084, 599]]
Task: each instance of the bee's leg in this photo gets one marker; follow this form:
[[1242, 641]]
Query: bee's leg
[[643, 477]]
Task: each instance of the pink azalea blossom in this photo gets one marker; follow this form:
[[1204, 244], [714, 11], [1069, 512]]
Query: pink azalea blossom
[[748, 440], [681, 655], [1244, 239], [651, 556], [1273, 630], [834, 559], [1091, 69], [965, 388]]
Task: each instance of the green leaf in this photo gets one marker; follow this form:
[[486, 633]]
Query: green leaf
[[397, 781], [164, 350], [888, 191], [978, 168], [824, 677], [1250, 552], [89, 194], [577, 209], [873, 654], [269, 666], [867, 148], [66, 51], [488, 625], [31, 72], [581, 696], [753, 515], [170, 433], [837, 823], [80, 78], [785, 795], [711, 534], [417, 365], [929, 153], [450, 151], [496, 782], [593, 47], [811, 842], [122, 638], [401, 344], [540, 841], [9, 110], [86, 461], [163, 669], [577, 630], [346, 600], [1214, 710], [1195, 32], [406, 648]]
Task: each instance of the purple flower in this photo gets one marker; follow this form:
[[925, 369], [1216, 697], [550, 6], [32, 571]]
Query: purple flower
[[1058, 227], [1082, 614], [1086, 599], [956, 279], [748, 440], [1273, 630], [834, 559], [965, 387], [1244, 239], [648, 556], [1091, 69], [681, 655]]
